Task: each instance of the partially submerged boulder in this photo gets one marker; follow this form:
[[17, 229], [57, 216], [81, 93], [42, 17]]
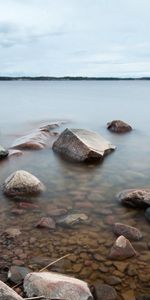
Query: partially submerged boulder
[[6, 293], [56, 286], [36, 140], [72, 219], [127, 231], [118, 126], [121, 249], [22, 183], [137, 198], [82, 145], [3, 153]]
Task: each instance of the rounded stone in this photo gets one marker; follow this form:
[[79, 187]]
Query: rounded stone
[[104, 291], [22, 183]]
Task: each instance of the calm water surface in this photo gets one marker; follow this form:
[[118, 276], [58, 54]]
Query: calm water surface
[[77, 187]]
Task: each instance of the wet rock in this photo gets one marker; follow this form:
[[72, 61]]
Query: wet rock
[[82, 145], [122, 249], [147, 214], [13, 152], [17, 274], [36, 140], [57, 212], [12, 232], [22, 183], [121, 266], [6, 293], [72, 219], [128, 295], [128, 231], [56, 286], [137, 198], [113, 280], [118, 126], [46, 222], [3, 153], [104, 292], [28, 205]]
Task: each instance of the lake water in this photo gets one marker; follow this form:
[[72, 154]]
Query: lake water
[[89, 189]]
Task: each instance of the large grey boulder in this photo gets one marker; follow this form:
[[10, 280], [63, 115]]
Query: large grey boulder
[[6, 293], [82, 145], [137, 198], [3, 153], [22, 183], [56, 286]]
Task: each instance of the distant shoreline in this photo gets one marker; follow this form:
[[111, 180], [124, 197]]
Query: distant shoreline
[[78, 78]]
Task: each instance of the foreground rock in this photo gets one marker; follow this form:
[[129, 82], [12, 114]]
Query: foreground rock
[[137, 198], [56, 286], [3, 153], [122, 249], [72, 219], [22, 183], [6, 293], [37, 139], [127, 231], [82, 145], [46, 222], [118, 126], [17, 273], [104, 292]]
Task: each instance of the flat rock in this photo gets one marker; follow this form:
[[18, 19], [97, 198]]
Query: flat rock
[[14, 152], [46, 222], [3, 153], [104, 292], [72, 219], [56, 286], [36, 140], [137, 198], [147, 214], [12, 232], [121, 249], [22, 183], [6, 293], [17, 273], [118, 126], [82, 145], [127, 231]]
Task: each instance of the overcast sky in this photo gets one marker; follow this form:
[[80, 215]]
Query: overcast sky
[[75, 37]]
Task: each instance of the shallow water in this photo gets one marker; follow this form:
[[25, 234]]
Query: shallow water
[[77, 187]]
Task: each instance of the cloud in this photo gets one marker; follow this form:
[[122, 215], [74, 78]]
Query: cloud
[[73, 37]]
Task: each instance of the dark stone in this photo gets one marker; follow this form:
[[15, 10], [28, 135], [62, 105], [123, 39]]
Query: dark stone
[[128, 231], [118, 126], [137, 198], [104, 292], [17, 274], [143, 297], [147, 214], [82, 145], [3, 153]]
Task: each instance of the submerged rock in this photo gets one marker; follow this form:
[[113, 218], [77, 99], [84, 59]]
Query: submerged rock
[[6, 293], [12, 232], [46, 222], [3, 153], [121, 249], [22, 183], [56, 286], [104, 292], [37, 139], [14, 152], [127, 231], [72, 219], [17, 273], [82, 145], [137, 198], [118, 126]]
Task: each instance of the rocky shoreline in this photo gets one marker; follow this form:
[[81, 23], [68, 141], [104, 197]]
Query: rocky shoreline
[[107, 245]]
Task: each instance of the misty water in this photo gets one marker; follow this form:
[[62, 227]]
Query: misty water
[[81, 188]]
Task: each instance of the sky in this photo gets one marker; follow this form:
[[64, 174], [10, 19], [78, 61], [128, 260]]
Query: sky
[[75, 38]]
